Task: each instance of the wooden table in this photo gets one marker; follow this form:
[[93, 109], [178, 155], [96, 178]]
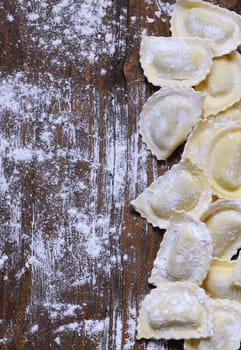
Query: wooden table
[[74, 256]]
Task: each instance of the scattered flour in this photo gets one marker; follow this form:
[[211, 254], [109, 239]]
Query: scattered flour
[[60, 311], [34, 329], [3, 259], [57, 340], [131, 329], [165, 7], [40, 148], [69, 26], [3, 340], [91, 327]]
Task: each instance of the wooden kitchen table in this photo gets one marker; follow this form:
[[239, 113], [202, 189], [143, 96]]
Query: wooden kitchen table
[[74, 256]]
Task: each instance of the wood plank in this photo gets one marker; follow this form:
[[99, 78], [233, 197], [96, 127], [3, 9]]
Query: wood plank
[[74, 255]]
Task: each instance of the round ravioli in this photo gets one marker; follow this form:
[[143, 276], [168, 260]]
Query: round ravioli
[[169, 61], [219, 282], [222, 85], [183, 188], [168, 117], [185, 252], [175, 310], [215, 146], [223, 220], [196, 18], [226, 328]]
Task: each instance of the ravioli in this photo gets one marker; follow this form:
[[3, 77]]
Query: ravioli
[[175, 310], [222, 85], [169, 61], [236, 273], [183, 188], [219, 282], [232, 114], [215, 146], [196, 18], [223, 220], [226, 326], [185, 252], [168, 117]]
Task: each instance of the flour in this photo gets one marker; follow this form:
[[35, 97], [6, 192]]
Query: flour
[[82, 20], [48, 141], [60, 310], [3, 259], [165, 10], [131, 329], [165, 7], [34, 329]]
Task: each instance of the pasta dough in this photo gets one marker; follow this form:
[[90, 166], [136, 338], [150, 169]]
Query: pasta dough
[[185, 252], [215, 146], [168, 117], [196, 18], [219, 282], [184, 188], [222, 85], [175, 310], [223, 220], [226, 325], [169, 61]]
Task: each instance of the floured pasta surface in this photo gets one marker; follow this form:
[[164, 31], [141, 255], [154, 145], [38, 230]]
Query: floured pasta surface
[[183, 188], [219, 282], [215, 146], [236, 273], [194, 251], [175, 310], [223, 220], [169, 61], [196, 18], [185, 252], [222, 85], [226, 327], [168, 117]]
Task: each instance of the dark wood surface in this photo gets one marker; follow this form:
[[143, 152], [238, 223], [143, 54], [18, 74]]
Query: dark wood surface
[[74, 256]]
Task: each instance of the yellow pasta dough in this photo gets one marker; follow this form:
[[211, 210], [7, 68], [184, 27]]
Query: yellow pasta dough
[[219, 282], [196, 18], [183, 188], [175, 310], [223, 220], [169, 61], [168, 117], [215, 146], [222, 85], [185, 252], [226, 326]]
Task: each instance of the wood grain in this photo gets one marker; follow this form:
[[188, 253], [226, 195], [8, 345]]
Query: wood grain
[[83, 162]]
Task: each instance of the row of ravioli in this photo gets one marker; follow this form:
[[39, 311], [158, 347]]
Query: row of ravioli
[[197, 294]]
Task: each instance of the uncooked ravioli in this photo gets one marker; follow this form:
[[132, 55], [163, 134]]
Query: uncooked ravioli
[[220, 283], [169, 61], [175, 310], [222, 85], [215, 146], [183, 188], [196, 18], [185, 252], [168, 117], [226, 327], [223, 220]]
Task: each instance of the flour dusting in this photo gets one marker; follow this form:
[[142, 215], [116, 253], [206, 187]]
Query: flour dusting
[[63, 169], [164, 10], [64, 29], [3, 259]]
